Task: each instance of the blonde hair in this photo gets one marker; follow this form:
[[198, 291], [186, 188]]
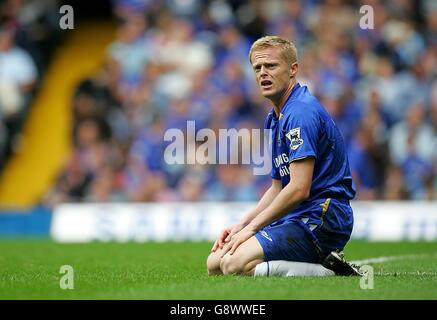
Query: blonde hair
[[288, 49]]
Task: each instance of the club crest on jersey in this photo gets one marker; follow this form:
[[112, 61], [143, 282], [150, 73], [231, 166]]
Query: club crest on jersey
[[294, 136]]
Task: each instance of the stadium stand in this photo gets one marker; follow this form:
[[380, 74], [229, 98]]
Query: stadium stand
[[173, 61]]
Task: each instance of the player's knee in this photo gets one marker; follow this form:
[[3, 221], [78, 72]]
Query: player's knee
[[231, 265], [213, 264]]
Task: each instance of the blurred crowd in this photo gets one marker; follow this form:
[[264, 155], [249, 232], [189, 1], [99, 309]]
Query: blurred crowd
[[173, 61], [28, 36]]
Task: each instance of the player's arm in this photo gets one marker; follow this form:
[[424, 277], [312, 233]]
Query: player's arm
[[296, 191], [264, 202], [266, 199]]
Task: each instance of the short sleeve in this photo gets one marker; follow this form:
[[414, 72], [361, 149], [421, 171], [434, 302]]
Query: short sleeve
[[302, 133]]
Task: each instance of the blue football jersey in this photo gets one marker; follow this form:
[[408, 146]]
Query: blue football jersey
[[305, 129]]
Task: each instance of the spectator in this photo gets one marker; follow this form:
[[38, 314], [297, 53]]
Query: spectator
[[415, 128], [29, 32], [18, 76], [416, 171], [395, 188], [362, 165]]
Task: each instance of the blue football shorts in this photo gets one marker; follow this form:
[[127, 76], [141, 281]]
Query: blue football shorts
[[293, 240]]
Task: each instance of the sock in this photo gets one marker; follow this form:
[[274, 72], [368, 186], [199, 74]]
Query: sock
[[291, 269]]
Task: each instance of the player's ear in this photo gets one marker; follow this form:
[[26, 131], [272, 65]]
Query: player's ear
[[293, 70]]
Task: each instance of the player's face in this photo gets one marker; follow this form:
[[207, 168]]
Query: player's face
[[273, 74]]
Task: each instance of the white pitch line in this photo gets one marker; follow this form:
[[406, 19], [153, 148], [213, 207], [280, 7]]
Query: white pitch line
[[417, 273], [392, 258]]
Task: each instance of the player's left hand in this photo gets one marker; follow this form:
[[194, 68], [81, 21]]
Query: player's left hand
[[237, 239]]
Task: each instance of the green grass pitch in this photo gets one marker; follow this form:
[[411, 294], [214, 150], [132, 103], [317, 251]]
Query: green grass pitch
[[29, 269]]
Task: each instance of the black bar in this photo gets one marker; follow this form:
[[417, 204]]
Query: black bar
[[220, 309]]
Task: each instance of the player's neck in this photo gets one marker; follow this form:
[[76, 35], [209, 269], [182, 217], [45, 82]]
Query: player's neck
[[279, 104]]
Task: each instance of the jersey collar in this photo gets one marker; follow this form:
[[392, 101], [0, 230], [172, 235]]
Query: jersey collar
[[293, 91]]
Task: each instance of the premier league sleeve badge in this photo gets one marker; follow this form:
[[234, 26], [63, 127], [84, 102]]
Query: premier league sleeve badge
[[294, 136]]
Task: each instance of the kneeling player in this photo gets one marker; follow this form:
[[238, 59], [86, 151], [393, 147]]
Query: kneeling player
[[304, 219]]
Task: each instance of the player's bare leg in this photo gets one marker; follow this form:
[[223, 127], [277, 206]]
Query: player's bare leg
[[213, 263], [244, 260]]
